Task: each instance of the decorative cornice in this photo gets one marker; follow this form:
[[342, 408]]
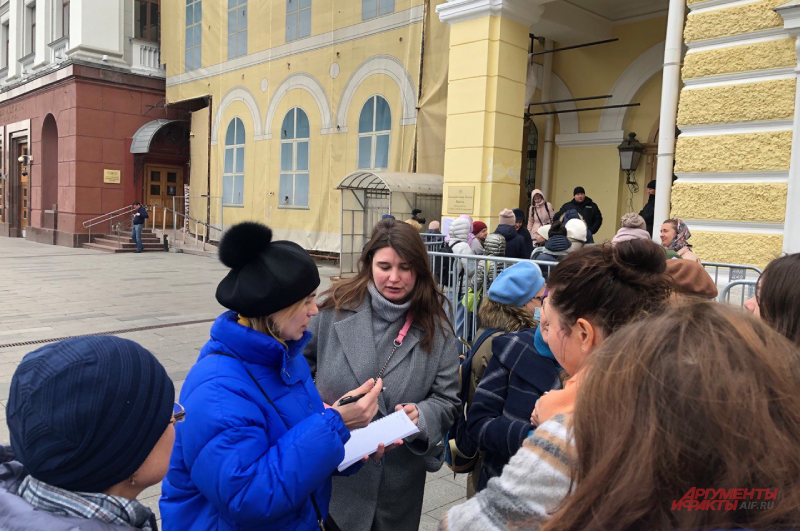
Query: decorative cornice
[[748, 77], [733, 40], [756, 177], [525, 12], [734, 226], [599, 138], [713, 5], [736, 128]]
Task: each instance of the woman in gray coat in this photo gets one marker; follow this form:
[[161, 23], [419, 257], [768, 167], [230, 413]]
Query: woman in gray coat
[[361, 321]]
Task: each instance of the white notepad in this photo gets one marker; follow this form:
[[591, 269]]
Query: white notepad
[[366, 440]]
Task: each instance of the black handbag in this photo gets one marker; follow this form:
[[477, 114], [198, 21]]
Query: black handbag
[[324, 525]]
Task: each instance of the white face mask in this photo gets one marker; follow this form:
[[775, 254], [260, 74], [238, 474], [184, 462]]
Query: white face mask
[[537, 314]]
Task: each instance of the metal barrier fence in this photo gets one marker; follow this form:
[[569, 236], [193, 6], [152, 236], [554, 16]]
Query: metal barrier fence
[[732, 271], [739, 291], [465, 281]]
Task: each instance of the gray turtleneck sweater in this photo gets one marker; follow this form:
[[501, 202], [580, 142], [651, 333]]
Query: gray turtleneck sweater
[[387, 320]]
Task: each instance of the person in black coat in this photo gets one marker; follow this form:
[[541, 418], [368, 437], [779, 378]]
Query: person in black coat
[[522, 230], [515, 244], [649, 210], [587, 208]]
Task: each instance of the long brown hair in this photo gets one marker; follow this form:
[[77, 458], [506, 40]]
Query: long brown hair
[[427, 301], [610, 285], [778, 296], [701, 396]]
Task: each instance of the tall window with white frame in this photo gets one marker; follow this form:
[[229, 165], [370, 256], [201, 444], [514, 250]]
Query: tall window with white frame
[[194, 33], [298, 19], [30, 23], [374, 130], [294, 186], [147, 20], [375, 8], [64, 18], [233, 173], [237, 28], [5, 36]]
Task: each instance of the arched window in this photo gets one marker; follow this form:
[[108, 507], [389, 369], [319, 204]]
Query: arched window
[[293, 188], [233, 174], [374, 127]]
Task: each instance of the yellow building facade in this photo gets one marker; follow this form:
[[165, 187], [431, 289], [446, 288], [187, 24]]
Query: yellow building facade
[[461, 89]]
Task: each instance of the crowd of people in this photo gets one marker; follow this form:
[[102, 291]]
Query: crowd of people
[[595, 397]]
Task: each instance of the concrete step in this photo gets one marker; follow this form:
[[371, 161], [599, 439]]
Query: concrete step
[[148, 248], [106, 240]]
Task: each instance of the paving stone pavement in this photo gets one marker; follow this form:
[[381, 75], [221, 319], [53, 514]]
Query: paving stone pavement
[[50, 292]]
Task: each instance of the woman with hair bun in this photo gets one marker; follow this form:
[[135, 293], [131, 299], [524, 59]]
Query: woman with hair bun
[[261, 449], [592, 293]]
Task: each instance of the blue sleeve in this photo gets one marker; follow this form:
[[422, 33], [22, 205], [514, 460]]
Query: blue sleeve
[[143, 212], [234, 465], [486, 424]]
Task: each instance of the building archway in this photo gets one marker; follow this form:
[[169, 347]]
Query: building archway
[[49, 169]]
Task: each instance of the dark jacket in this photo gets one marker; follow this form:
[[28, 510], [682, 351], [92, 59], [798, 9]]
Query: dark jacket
[[238, 462], [649, 212], [515, 244], [139, 220], [555, 249], [588, 210], [18, 515], [499, 418], [528, 240]]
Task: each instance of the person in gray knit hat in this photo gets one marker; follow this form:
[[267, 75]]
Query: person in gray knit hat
[[91, 425]]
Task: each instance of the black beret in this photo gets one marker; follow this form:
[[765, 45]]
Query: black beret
[[265, 276]]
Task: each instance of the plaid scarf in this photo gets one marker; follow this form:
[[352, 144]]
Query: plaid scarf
[[90, 505]]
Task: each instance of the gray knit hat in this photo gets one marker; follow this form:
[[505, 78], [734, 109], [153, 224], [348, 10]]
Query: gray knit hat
[[633, 221]]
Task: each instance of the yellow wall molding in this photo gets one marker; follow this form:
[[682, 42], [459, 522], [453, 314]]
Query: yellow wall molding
[[736, 59], [764, 202], [734, 248], [733, 21], [726, 153], [747, 102]]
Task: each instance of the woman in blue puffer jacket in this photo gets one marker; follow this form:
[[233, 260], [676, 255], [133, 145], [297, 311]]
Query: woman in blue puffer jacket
[[261, 451]]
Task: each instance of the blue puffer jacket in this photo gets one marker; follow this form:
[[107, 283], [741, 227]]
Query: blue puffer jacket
[[234, 464]]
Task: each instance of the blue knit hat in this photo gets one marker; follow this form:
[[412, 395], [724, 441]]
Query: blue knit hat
[[517, 285], [85, 413]]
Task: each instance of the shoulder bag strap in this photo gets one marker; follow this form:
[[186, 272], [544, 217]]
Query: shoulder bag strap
[[320, 520]]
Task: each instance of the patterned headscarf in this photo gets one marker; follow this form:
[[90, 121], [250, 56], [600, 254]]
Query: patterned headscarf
[[682, 234]]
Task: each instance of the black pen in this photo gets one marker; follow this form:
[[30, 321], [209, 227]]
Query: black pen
[[350, 399]]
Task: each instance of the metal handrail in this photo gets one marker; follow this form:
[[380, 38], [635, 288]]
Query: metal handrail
[[109, 217], [206, 226], [114, 214]]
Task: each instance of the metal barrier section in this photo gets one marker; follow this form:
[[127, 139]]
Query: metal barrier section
[[738, 291], [465, 281], [724, 274]]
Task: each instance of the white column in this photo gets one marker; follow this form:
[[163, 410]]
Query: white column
[[96, 30], [670, 90], [44, 25], [791, 229], [16, 29]]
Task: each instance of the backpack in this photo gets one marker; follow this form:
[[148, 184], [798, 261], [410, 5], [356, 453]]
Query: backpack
[[442, 265], [461, 453]]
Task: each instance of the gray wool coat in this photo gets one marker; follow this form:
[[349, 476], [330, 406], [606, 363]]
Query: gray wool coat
[[342, 355]]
